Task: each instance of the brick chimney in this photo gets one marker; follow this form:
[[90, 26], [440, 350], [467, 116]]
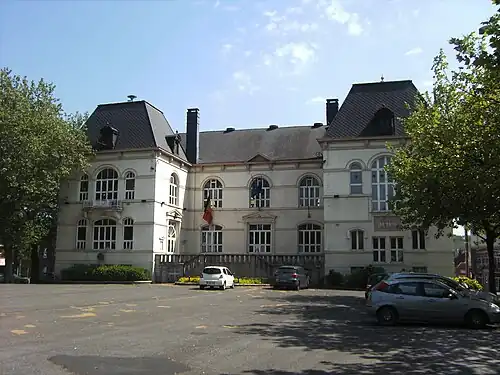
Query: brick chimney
[[332, 107], [192, 134]]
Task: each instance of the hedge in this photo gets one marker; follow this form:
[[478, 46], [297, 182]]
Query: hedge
[[238, 280], [89, 272], [471, 283]]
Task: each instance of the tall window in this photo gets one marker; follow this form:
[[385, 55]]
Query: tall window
[[213, 190], [104, 234], [397, 255], [382, 184], [130, 185], [260, 193], [128, 233], [84, 188], [211, 239], [106, 185], [310, 236], [171, 238], [379, 254], [357, 239], [418, 239], [173, 198], [259, 238], [356, 178], [81, 234], [309, 192]]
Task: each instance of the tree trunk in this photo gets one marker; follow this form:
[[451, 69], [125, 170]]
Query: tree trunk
[[490, 244], [9, 260]]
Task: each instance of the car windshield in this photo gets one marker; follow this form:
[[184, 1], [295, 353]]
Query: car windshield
[[452, 284], [211, 271]]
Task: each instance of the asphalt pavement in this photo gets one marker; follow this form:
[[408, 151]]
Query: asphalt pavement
[[166, 330]]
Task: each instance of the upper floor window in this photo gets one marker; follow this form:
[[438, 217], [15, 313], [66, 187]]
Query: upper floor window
[[356, 178], [418, 239], [260, 192], [130, 185], [382, 184], [104, 234], [309, 192], [106, 185], [81, 234], [310, 236], [173, 198], [128, 233], [211, 239], [213, 190], [357, 239], [84, 188]]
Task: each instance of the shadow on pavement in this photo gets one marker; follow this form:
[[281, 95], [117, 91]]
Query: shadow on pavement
[[339, 323]]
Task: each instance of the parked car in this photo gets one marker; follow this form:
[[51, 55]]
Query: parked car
[[428, 300], [216, 277], [293, 277], [448, 282], [374, 280]]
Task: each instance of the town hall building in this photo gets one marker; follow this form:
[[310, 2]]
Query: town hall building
[[312, 190]]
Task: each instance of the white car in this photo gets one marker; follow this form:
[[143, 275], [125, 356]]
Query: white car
[[216, 277]]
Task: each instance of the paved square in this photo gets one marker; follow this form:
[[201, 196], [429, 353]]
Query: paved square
[[165, 330]]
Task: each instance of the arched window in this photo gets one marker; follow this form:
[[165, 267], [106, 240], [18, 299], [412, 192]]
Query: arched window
[[211, 239], [104, 234], [213, 190], [173, 198], [382, 184], [310, 236], [106, 185], [357, 239], [356, 178], [84, 188], [309, 192], [130, 185], [260, 193], [128, 233], [171, 239], [81, 234]]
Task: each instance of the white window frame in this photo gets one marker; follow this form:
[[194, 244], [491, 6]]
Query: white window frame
[[211, 239], [309, 192], [104, 235], [382, 184], [81, 241], [355, 169], [213, 189], [418, 240], [128, 244], [173, 190], [171, 238], [106, 185], [309, 238], [357, 237], [84, 188], [260, 238], [379, 245], [263, 200], [130, 189], [396, 244]]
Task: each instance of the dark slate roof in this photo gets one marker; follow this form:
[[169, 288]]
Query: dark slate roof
[[284, 143], [139, 124], [364, 100]]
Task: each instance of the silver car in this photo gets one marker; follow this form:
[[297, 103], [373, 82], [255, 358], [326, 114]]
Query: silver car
[[428, 300]]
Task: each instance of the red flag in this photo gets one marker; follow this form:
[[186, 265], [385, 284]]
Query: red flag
[[208, 212]]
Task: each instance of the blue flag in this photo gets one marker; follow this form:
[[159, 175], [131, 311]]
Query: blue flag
[[256, 188]]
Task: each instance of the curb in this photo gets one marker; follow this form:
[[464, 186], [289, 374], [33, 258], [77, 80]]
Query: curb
[[104, 282], [192, 283]]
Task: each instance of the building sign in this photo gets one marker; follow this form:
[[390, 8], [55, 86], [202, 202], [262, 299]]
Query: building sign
[[387, 223]]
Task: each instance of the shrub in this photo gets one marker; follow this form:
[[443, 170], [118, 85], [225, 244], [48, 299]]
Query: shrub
[[335, 278], [189, 279], [471, 283], [109, 272]]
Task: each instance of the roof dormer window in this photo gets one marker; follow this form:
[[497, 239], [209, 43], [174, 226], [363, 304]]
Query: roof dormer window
[[107, 139]]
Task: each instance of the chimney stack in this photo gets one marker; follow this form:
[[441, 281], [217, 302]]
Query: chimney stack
[[192, 134], [332, 107]]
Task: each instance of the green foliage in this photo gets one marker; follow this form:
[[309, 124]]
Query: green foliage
[[359, 279], [335, 279], [89, 272], [471, 283], [449, 171], [238, 280], [40, 148]]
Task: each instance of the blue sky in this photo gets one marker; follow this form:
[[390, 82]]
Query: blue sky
[[243, 63]]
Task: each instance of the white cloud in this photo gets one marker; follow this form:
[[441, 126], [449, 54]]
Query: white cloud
[[316, 99], [414, 51], [217, 3], [294, 10], [334, 11], [282, 24], [244, 82], [300, 52], [226, 48]]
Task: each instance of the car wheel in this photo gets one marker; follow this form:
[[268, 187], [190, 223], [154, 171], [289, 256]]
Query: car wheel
[[476, 319], [298, 286], [223, 287], [202, 287], [308, 281], [232, 285], [387, 316]]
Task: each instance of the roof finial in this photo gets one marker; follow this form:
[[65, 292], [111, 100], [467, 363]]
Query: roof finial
[[131, 98], [382, 78]]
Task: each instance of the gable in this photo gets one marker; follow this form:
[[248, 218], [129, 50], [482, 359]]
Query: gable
[[259, 217], [259, 158]]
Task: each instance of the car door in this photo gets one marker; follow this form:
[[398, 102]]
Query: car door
[[230, 277], [407, 299], [440, 307]]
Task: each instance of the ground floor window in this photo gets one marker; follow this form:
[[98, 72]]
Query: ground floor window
[[211, 239], [171, 238], [104, 234], [259, 238], [379, 250], [397, 254], [310, 238]]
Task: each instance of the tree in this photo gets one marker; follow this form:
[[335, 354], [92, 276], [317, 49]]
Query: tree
[[40, 147], [449, 171]]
